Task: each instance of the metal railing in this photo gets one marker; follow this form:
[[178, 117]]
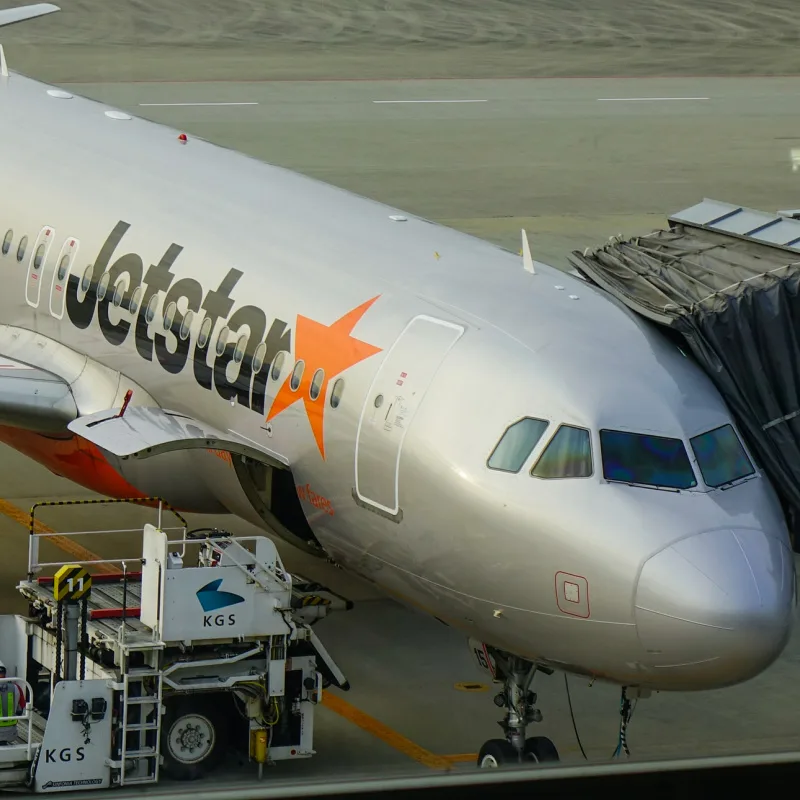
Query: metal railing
[[25, 716], [34, 565]]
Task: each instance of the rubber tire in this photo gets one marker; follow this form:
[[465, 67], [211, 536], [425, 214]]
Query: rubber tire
[[208, 706], [541, 750], [499, 751]]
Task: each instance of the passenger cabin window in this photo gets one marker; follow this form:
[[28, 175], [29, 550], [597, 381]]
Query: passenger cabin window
[[22, 247], [569, 455], [7, 242], [316, 384], [205, 333], [297, 375], [150, 310], [721, 457], [119, 290], [169, 315], [222, 340], [102, 286], [258, 357], [239, 350], [86, 278], [277, 365], [186, 325], [336, 393], [646, 460], [516, 444], [136, 297]]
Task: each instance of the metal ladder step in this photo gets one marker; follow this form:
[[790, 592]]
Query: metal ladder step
[[142, 747], [148, 752], [15, 777], [141, 779]]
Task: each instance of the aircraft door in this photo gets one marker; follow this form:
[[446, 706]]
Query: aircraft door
[[38, 257], [392, 400], [58, 286]]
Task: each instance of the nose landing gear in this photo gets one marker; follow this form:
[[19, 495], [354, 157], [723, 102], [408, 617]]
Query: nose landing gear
[[520, 705]]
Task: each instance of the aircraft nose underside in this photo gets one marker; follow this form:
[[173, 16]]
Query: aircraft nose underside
[[715, 607]]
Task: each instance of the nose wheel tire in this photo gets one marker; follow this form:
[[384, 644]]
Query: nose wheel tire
[[540, 750], [496, 753], [499, 753]]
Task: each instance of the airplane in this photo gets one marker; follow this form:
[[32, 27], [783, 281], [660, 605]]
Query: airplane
[[494, 441]]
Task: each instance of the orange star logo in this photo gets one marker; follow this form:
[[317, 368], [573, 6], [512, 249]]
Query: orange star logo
[[329, 348]]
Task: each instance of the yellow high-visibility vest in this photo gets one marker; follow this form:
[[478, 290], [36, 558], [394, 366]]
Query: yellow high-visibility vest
[[8, 708]]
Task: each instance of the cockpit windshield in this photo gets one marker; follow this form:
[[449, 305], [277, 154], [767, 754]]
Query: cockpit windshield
[[646, 460], [721, 457]]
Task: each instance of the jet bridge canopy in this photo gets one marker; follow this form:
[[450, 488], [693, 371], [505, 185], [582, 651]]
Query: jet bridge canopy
[[726, 279]]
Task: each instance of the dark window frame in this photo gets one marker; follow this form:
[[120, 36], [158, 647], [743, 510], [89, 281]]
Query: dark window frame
[[547, 424], [588, 433], [753, 469], [645, 484]]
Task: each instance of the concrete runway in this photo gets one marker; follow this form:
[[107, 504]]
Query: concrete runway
[[574, 160]]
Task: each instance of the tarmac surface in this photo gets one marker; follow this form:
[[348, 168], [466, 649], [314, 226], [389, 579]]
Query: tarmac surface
[[368, 39], [572, 159]]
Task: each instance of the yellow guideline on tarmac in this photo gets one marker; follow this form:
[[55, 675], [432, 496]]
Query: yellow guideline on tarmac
[[385, 733], [78, 552]]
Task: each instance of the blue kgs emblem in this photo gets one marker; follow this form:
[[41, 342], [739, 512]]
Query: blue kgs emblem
[[212, 599]]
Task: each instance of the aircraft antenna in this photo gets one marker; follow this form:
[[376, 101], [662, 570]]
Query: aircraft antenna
[[527, 259]]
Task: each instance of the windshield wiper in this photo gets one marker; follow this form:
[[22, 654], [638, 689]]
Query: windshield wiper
[[735, 482]]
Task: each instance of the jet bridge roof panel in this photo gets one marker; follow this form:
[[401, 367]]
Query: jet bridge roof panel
[[727, 280], [727, 218]]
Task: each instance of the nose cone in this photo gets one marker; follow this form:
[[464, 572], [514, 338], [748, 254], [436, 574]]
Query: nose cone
[[715, 609]]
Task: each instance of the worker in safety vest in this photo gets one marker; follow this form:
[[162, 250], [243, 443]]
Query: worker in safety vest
[[12, 704]]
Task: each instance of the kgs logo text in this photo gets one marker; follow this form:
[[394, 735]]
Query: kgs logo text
[[213, 599], [65, 755]]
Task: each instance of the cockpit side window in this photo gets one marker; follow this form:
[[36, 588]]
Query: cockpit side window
[[721, 457], [569, 455], [516, 444], [646, 460]]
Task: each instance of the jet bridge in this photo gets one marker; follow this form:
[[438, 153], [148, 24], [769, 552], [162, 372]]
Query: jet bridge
[[724, 280]]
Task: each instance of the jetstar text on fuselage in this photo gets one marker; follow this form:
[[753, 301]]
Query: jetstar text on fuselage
[[140, 298]]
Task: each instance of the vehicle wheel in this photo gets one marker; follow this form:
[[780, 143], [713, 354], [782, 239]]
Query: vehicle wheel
[[496, 753], [540, 749], [193, 734]]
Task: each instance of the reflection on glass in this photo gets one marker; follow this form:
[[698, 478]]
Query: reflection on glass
[[646, 460], [516, 444], [336, 393], [569, 455], [277, 366], [721, 457], [258, 357], [297, 375], [316, 384]]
